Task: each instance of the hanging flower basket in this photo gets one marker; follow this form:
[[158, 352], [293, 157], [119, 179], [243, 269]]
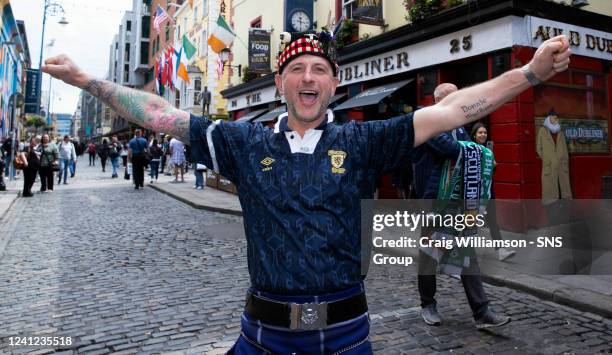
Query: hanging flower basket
[[418, 10]]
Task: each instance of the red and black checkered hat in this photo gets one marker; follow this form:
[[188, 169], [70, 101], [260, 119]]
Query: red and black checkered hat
[[321, 44]]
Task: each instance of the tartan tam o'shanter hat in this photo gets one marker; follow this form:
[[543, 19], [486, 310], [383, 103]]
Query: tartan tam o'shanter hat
[[295, 44]]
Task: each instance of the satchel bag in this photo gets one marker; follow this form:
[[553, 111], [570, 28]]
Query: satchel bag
[[20, 162]]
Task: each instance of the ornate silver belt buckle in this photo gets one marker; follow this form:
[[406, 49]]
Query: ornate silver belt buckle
[[308, 316]]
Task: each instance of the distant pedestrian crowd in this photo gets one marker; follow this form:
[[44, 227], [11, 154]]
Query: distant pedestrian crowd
[[45, 159], [42, 157], [158, 155]]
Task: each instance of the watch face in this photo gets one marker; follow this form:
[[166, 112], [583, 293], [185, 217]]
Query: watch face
[[300, 21]]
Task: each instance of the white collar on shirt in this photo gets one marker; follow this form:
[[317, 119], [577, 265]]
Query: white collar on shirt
[[306, 144]]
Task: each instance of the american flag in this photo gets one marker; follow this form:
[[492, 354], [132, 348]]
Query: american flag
[[160, 17]]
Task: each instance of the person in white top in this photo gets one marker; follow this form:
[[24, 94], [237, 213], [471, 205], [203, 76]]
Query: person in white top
[[177, 153], [67, 153]]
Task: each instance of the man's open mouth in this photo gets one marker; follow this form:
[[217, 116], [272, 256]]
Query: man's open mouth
[[308, 96]]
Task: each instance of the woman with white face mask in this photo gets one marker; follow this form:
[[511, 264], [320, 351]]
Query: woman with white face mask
[[552, 149]]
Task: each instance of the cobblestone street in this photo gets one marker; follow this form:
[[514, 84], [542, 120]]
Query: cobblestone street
[[125, 271]]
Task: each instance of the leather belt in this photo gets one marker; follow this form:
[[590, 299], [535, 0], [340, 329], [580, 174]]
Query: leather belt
[[305, 316]]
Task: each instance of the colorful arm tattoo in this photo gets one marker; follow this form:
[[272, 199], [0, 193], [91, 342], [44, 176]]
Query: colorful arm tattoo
[[142, 108]]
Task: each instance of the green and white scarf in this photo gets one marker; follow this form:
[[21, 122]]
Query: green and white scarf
[[468, 180]]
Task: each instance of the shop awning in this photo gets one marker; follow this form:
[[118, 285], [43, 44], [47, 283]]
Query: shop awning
[[249, 116], [372, 96], [272, 114], [336, 98]]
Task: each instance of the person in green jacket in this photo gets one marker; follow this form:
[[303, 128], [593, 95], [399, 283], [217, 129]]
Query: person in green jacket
[[49, 158]]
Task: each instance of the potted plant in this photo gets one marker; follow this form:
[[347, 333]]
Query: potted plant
[[418, 10], [347, 34]]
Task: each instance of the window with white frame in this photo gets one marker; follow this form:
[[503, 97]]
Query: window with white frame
[[347, 8], [195, 15], [368, 11]]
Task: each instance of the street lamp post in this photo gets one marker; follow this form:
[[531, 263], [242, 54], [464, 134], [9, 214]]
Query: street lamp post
[[224, 55], [53, 8]]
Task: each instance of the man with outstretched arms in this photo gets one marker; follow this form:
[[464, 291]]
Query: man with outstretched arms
[[301, 182]]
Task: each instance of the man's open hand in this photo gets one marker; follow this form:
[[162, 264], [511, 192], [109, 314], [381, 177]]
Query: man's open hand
[[63, 68], [551, 58]]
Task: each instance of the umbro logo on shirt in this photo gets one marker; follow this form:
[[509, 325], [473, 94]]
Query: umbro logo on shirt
[[267, 162]]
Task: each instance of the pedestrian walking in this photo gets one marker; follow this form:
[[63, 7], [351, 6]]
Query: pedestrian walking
[[177, 154], [199, 171], [138, 147], [156, 154], [303, 180], [79, 151], [114, 151], [429, 161], [67, 155], [91, 150], [7, 154], [103, 154], [49, 161], [124, 153], [166, 163], [30, 171], [2, 183]]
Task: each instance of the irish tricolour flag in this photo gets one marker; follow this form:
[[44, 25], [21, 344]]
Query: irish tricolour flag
[[222, 37]]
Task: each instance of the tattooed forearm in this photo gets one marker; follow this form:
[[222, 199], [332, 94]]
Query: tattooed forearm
[[132, 104], [142, 108], [477, 109]]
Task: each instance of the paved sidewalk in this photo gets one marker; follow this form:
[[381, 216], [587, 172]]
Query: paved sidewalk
[[590, 291], [208, 199], [7, 198]]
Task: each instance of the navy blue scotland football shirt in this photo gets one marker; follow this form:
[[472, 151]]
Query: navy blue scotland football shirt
[[301, 196]]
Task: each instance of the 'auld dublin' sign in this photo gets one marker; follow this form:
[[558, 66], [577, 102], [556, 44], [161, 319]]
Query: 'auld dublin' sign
[[583, 135], [583, 41]]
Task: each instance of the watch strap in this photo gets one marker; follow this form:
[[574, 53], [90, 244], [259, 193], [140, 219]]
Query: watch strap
[[530, 76]]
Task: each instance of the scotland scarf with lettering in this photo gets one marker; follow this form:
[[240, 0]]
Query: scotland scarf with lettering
[[465, 188]]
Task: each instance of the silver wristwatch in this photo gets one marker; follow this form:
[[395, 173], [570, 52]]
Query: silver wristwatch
[[530, 76]]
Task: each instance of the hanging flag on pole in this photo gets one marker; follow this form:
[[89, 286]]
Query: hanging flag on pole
[[160, 17], [163, 68], [181, 72], [155, 72], [176, 57], [188, 47], [170, 69], [159, 75], [221, 37]]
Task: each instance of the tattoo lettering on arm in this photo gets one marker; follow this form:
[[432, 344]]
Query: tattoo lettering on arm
[[142, 108], [479, 108]]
